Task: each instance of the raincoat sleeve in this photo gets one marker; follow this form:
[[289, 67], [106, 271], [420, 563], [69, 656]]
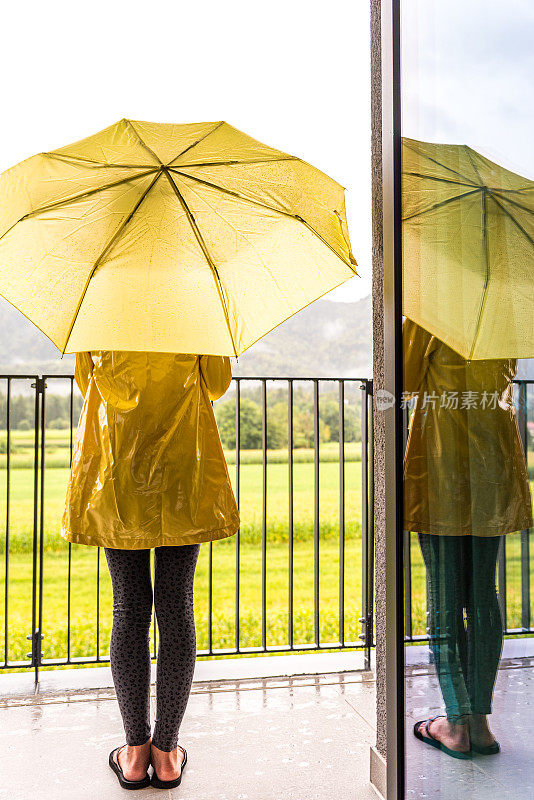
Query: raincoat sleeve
[[217, 374], [417, 344], [82, 370]]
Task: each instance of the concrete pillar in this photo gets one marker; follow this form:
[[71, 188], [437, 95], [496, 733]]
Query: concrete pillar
[[378, 753]]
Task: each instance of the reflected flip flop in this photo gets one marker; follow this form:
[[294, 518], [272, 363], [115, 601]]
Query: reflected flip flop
[[486, 750], [124, 782], [433, 742], [159, 784]]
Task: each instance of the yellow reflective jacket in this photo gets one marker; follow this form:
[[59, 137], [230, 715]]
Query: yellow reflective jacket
[[148, 467], [464, 469]]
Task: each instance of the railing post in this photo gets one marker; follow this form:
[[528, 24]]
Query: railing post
[[341, 438], [367, 619], [237, 497], [36, 636]]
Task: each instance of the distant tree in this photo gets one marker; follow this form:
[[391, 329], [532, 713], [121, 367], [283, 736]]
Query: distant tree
[[277, 425], [22, 411], [330, 414], [250, 423], [303, 429], [59, 423]]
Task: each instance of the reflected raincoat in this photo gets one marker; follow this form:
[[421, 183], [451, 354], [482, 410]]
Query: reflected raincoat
[[464, 468], [148, 467]]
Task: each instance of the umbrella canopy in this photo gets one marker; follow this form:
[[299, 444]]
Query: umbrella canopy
[[189, 238], [468, 250]]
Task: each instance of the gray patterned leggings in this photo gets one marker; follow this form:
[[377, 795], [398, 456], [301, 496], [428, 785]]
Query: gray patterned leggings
[[174, 571]]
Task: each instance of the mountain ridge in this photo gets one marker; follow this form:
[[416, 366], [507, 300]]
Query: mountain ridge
[[326, 339]]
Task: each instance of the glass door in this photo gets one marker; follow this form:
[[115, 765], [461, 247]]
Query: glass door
[[467, 227]]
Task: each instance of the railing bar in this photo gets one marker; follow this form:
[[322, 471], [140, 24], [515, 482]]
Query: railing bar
[[41, 521], [256, 378], [98, 603], [525, 533], [316, 511], [210, 591], [290, 520], [8, 489], [365, 520], [41, 385], [304, 647], [237, 496], [406, 542], [264, 515], [502, 582], [341, 438], [371, 514], [69, 568], [210, 597]]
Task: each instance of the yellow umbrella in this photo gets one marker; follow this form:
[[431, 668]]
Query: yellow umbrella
[[468, 250], [190, 238]]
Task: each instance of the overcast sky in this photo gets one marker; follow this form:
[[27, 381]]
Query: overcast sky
[[289, 73], [467, 72]]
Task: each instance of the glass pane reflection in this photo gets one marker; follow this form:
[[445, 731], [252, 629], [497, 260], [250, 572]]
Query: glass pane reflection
[[468, 341]]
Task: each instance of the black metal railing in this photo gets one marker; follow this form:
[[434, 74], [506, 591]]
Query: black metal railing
[[36, 389], [514, 579]]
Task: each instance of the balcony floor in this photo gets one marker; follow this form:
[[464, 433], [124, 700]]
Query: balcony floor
[[508, 775], [271, 738]]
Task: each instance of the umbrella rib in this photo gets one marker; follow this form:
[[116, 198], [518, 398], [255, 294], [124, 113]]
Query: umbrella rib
[[104, 253], [141, 142], [504, 197], [486, 277], [518, 224], [440, 180], [194, 144], [440, 164], [76, 197], [243, 235], [232, 193], [206, 253], [238, 161], [263, 205], [68, 159], [443, 203], [477, 173]]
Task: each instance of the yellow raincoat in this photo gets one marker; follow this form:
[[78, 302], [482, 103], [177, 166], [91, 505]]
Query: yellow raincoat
[[148, 467], [464, 468]]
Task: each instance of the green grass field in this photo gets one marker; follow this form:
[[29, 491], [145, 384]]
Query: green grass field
[[84, 586]]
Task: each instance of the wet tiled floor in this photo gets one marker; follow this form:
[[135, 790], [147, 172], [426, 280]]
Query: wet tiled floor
[[263, 738], [509, 775], [293, 738]]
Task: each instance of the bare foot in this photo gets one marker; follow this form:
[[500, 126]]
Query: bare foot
[[455, 737], [134, 760], [168, 765], [480, 731]]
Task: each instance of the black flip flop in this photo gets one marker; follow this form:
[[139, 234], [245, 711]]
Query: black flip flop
[[429, 739], [124, 782], [159, 784]]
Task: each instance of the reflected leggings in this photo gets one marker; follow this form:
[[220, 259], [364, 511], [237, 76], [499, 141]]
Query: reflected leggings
[[174, 570], [461, 575]]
